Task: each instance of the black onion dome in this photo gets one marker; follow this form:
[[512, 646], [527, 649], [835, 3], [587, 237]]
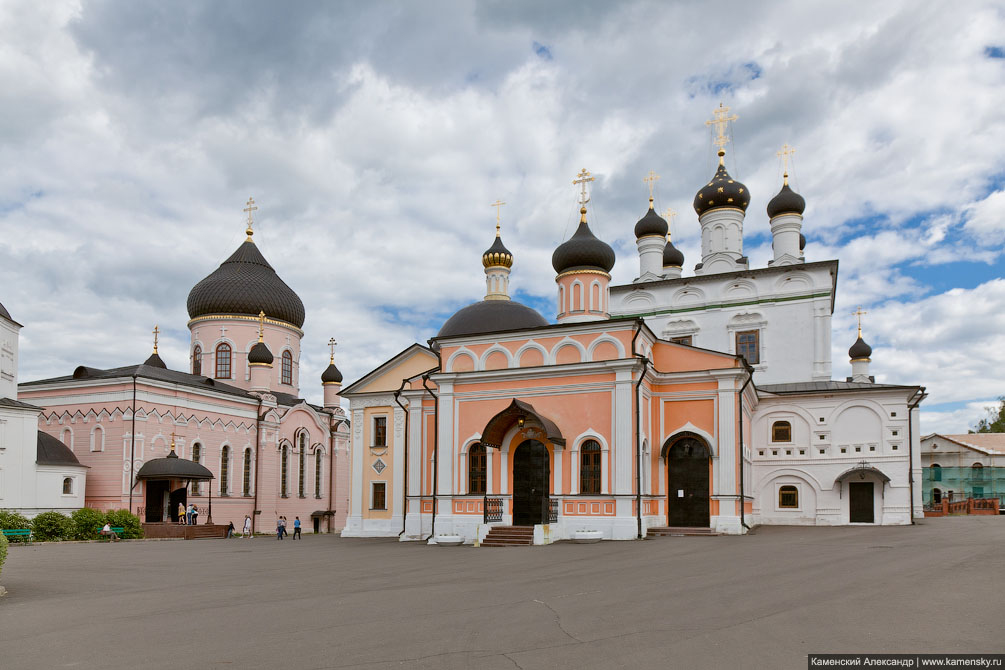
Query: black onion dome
[[497, 254], [651, 224], [260, 354], [802, 241], [155, 361], [245, 283], [722, 191], [786, 201], [489, 316], [50, 451], [331, 375], [583, 251], [860, 349], [672, 256]]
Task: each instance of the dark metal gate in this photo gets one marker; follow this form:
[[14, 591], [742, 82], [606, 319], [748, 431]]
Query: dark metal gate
[[861, 502], [687, 475], [531, 475]]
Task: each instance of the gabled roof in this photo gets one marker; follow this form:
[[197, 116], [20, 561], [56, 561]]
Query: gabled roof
[[985, 443], [17, 404], [83, 374], [405, 354]]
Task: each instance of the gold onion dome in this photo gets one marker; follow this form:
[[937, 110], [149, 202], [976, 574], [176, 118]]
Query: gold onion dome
[[497, 255], [722, 192]]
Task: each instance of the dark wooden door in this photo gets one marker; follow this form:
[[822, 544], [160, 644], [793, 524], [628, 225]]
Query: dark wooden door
[[179, 495], [687, 474], [860, 502], [531, 475]]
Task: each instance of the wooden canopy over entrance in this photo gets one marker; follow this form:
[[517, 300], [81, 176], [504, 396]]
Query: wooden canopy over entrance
[[518, 410]]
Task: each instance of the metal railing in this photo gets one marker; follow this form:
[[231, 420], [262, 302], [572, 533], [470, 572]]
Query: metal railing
[[553, 510], [493, 510]]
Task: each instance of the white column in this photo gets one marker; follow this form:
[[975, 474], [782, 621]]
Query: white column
[[398, 460], [623, 439], [785, 239], [558, 470], [650, 256], [574, 470], [445, 444]]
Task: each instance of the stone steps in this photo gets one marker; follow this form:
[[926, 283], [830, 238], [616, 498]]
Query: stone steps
[[681, 531], [509, 536]]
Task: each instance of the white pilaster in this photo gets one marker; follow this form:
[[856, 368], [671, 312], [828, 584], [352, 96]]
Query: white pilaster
[[623, 438]]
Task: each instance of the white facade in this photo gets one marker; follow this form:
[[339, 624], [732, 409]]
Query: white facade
[[789, 306]]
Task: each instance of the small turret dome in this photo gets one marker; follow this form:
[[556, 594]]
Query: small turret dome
[[860, 349], [331, 375], [651, 224], [672, 256], [786, 201], [497, 255], [583, 251], [722, 191], [260, 354]]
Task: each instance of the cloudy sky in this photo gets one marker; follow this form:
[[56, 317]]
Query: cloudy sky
[[374, 136]]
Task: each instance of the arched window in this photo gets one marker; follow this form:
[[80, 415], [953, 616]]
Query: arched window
[[196, 456], [67, 438], [936, 472], [197, 360], [476, 469], [589, 467], [977, 472], [287, 368], [937, 496], [284, 490], [318, 457], [788, 496], [223, 361], [781, 431], [98, 439], [302, 480], [67, 486], [246, 483], [225, 471]]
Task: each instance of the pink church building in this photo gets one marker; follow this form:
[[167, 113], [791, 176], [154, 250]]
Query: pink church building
[[237, 411]]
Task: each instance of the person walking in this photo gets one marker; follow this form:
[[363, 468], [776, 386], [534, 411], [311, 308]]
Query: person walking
[[279, 528], [247, 526], [195, 514], [181, 513], [296, 528], [230, 530], [285, 532], [188, 514]]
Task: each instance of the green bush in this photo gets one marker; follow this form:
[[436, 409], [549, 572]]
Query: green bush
[[13, 521], [3, 551], [130, 523], [51, 526], [86, 523]]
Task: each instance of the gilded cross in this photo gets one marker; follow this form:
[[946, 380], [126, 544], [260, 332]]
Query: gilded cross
[[331, 346], [583, 178], [156, 332], [670, 215], [251, 207], [172, 440], [261, 325], [651, 180], [720, 122], [858, 313], [498, 205], [784, 154]]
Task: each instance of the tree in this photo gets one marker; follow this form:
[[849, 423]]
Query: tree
[[994, 422]]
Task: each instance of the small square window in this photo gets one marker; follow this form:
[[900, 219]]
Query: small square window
[[823, 451], [872, 448], [893, 414], [760, 453], [788, 452], [774, 452], [858, 449], [821, 419], [894, 447], [802, 452], [822, 437], [896, 432], [843, 450]]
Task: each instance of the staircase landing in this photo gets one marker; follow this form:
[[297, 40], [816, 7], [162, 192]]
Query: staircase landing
[[509, 536]]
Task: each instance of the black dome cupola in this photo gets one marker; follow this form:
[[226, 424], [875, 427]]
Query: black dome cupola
[[672, 256], [583, 251], [722, 191], [246, 284], [860, 349], [651, 224], [786, 201]]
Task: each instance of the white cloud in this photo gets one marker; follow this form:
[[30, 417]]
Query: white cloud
[[986, 219]]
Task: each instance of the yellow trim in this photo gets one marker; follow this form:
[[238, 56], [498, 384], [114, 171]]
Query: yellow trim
[[778, 216], [331, 383], [583, 272], [260, 365], [239, 317], [735, 209], [861, 360], [645, 236]]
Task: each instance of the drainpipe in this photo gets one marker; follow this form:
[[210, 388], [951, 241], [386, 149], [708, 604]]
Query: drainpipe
[[638, 430], [332, 427], [132, 451], [919, 395], [436, 449], [258, 466], [404, 488], [743, 500]]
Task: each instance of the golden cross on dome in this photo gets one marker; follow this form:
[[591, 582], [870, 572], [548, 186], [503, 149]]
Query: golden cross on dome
[[784, 155], [172, 440], [670, 215], [251, 207], [261, 325], [331, 345], [720, 122], [156, 333], [498, 205], [651, 180], [859, 314], [583, 178]]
